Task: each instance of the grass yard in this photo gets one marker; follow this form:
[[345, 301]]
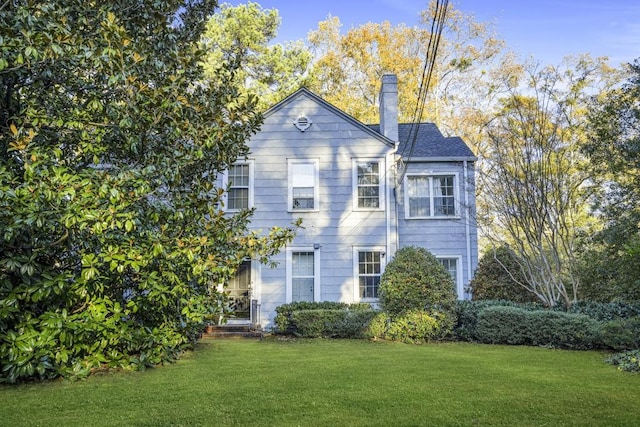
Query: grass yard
[[342, 383]]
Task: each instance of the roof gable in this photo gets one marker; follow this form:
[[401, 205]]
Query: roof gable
[[304, 92]]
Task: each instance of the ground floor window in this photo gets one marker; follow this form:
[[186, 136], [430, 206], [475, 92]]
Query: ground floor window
[[451, 265], [302, 274], [369, 264]]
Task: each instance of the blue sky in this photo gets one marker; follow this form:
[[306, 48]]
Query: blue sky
[[547, 30]]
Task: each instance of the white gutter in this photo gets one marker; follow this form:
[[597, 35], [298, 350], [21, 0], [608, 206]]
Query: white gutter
[[391, 184]]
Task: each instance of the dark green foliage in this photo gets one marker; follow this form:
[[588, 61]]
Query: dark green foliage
[[284, 313], [610, 263], [513, 325], [626, 361], [415, 280], [322, 323], [609, 266], [467, 315], [499, 277], [604, 311], [623, 334], [111, 228]]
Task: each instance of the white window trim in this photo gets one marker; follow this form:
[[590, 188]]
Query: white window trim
[[316, 189], [225, 184], [459, 286], [356, 275], [289, 273], [456, 195], [382, 168]]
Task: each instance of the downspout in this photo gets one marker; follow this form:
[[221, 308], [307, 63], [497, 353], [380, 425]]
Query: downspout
[[391, 192], [467, 221]]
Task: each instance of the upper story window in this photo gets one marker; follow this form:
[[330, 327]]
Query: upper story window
[[429, 196], [303, 185], [367, 178], [239, 179]]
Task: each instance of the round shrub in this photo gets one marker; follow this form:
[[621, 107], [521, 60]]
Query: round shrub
[[416, 280], [621, 334], [494, 278], [417, 327]]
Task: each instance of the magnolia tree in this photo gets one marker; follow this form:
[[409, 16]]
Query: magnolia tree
[[111, 229]]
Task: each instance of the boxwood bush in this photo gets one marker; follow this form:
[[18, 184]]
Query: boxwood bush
[[285, 311], [286, 324], [340, 323], [514, 325], [467, 315]]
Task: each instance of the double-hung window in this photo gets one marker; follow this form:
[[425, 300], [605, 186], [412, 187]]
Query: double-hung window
[[430, 196], [368, 266], [303, 185], [303, 274], [239, 181], [452, 264], [368, 184]]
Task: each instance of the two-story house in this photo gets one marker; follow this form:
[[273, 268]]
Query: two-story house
[[362, 191]]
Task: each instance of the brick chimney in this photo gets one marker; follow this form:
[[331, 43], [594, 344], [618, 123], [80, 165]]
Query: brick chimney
[[389, 107]]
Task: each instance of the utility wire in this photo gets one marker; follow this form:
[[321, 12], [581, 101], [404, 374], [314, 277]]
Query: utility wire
[[437, 25]]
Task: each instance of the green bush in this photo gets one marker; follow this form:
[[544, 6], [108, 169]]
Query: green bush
[[494, 278], [626, 361], [417, 327], [284, 311], [502, 325], [513, 325], [339, 323], [379, 325], [604, 311], [416, 280], [622, 334], [467, 315]]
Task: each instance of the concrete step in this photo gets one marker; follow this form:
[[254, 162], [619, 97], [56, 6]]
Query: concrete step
[[233, 331]]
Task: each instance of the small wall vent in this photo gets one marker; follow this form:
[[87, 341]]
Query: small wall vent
[[302, 123]]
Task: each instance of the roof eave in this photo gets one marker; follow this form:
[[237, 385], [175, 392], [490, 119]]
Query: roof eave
[[441, 159]]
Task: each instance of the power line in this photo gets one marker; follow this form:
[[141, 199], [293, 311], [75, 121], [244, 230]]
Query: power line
[[437, 26]]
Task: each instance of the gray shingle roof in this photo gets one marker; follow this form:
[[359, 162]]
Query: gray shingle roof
[[429, 143]]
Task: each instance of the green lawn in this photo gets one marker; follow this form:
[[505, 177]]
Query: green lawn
[[340, 383]]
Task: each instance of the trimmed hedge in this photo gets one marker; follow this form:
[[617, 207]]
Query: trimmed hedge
[[467, 315], [513, 325], [285, 311], [331, 323]]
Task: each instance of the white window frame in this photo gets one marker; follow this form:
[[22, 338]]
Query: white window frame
[[289, 272], [458, 279], [381, 183], [356, 271], [225, 184], [431, 176], [316, 187]]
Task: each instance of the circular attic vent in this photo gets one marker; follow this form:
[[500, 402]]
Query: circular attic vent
[[302, 123]]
